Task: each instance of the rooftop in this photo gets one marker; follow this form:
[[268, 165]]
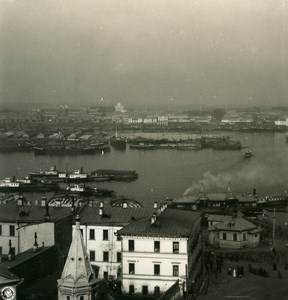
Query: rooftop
[[11, 212], [170, 223], [237, 224], [113, 215]]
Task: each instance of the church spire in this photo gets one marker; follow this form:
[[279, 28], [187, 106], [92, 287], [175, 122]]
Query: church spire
[[77, 272]]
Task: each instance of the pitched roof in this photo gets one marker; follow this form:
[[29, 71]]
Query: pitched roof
[[236, 224], [11, 212], [170, 223], [77, 269], [113, 215]]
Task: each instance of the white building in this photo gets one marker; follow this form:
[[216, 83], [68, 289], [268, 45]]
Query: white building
[[283, 122], [119, 108], [160, 250], [99, 226]]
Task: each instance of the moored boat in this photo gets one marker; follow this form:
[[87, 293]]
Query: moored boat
[[248, 154]]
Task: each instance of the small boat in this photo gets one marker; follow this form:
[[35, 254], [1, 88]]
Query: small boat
[[248, 154], [114, 175], [142, 146], [89, 191]]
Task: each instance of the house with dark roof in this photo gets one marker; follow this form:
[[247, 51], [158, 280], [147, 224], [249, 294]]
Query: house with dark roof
[[158, 251], [99, 226], [20, 223], [8, 282], [234, 232]]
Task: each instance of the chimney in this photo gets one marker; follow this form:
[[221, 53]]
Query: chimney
[[100, 211], [47, 216], [124, 205], [10, 251], [153, 219], [101, 205], [254, 192], [20, 201], [36, 202], [35, 246], [43, 201], [155, 205]]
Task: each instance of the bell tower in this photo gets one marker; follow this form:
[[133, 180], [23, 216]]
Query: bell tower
[[77, 281]]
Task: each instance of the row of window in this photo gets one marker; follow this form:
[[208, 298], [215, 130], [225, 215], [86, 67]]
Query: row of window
[[175, 246], [145, 290], [175, 269], [92, 255], [11, 230], [235, 236], [105, 235]]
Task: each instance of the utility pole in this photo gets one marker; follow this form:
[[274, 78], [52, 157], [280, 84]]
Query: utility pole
[[273, 233]]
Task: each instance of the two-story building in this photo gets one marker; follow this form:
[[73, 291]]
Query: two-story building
[[99, 226], [158, 251], [20, 222]]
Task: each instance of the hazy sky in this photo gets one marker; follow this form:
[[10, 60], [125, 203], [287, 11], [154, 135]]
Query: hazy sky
[[144, 51]]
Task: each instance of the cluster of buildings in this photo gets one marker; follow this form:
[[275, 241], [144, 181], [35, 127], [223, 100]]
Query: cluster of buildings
[[147, 251], [65, 114]]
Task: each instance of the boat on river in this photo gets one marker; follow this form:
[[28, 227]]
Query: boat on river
[[27, 184], [142, 146], [89, 191], [114, 175], [248, 154]]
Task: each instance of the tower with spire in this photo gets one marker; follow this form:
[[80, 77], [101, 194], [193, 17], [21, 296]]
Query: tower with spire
[[78, 279]]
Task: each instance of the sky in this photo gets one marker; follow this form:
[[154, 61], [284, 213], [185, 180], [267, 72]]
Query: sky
[[198, 53]]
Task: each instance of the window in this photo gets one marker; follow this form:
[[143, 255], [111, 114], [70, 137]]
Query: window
[[81, 298], [0, 229], [68, 298], [175, 247], [92, 234], [105, 275], [157, 246], [12, 230], [105, 235], [131, 268], [244, 236], [105, 256], [119, 257], [131, 289], [131, 245], [119, 237], [81, 230], [175, 270], [0, 250], [92, 255], [156, 290], [145, 289], [157, 270], [234, 236], [224, 236]]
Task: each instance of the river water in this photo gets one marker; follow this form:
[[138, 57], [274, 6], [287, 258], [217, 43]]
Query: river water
[[172, 173]]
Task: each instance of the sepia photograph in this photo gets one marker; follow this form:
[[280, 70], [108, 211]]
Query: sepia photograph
[[143, 149]]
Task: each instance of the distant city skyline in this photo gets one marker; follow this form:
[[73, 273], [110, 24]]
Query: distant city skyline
[[144, 53]]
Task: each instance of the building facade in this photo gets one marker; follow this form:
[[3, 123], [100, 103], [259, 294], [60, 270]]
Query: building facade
[[156, 252]]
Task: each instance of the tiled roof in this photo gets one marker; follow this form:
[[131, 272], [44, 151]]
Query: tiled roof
[[236, 224], [217, 218], [113, 215], [171, 222], [11, 212], [217, 196], [186, 199], [24, 256]]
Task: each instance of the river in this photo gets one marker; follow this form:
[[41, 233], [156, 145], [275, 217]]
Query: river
[[171, 173]]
